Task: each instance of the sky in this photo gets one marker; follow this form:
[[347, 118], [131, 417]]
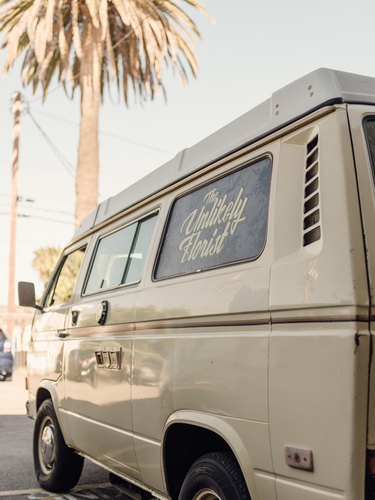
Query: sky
[[250, 50]]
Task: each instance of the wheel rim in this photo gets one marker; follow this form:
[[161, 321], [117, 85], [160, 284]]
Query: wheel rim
[[206, 494], [46, 445]]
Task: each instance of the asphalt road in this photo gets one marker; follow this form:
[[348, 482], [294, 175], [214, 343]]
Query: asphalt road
[[17, 478]]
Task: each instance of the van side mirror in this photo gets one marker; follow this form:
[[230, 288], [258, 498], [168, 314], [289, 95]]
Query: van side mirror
[[26, 295]]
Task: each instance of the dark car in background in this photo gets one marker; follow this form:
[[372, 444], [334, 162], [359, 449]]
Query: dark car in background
[[6, 358]]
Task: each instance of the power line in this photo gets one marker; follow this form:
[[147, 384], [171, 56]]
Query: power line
[[107, 134], [59, 212], [28, 216], [59, 155], [48, 93]]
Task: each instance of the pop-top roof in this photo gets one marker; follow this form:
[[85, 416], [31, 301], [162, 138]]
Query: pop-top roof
[[314, 90]]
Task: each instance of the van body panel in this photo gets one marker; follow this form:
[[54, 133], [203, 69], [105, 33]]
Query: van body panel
[[171, 373], [225, 293], [316, 275], [318, 292], [45, 356], [317, 375], [149, 453], [290, 490], [245, 348]]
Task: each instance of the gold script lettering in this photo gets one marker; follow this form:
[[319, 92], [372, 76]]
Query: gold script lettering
[[219, 215]]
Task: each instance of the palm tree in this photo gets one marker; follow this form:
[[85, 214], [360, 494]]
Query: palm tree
[[44, 261], [90, 43]]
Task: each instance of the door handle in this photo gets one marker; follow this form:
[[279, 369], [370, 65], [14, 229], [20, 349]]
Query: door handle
[[75, 315], [102, 312], [62, 335]]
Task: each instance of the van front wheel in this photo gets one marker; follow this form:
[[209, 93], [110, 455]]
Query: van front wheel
[[57, 467], [215, 476]]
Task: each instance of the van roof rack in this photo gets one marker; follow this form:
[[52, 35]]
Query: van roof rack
[[322, 87]]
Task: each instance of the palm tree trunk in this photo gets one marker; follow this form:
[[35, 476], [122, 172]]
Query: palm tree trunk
[[87, 176]]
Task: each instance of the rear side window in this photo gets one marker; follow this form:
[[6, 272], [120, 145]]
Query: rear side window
[[218, 224], [120, 256]]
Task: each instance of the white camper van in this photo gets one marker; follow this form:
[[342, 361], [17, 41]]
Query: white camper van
[[208, 332]]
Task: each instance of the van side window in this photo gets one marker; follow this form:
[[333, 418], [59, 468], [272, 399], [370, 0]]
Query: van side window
[[369, 126], [138, 256], [120, 256], [218, 224], [62, 287]]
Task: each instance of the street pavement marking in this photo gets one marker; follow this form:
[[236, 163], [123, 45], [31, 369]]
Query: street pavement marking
[[14, 493]]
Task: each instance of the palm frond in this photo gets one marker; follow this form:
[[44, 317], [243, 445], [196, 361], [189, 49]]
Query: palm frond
[[93, 8], [103, 16], [49, 19], [64, 46], [76, 31], [134, 41], [40, 41], [110, 57], [31, 19]]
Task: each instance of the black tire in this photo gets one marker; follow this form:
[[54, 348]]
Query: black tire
[[57, 467], [215, 476]]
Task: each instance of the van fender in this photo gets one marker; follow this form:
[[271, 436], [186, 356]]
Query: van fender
[[54, 389], [224, 428]]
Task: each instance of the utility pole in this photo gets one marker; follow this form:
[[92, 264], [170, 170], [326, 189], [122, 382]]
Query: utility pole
[[16, 109]]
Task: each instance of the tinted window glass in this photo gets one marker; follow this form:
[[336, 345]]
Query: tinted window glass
[[120, 256], [221, 223], [138, 256], [63, 285], [370, 134], [110, 259]]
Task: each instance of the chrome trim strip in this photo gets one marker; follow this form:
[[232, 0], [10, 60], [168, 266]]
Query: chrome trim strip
[[356, 318], [216, 322]]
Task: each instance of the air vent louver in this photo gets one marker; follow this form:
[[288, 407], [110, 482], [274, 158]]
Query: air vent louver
[[311, 207]]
